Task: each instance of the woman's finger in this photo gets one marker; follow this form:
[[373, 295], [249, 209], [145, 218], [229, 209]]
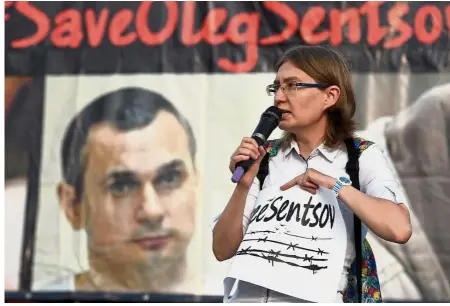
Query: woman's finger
[[249, 146], [310, 190], [244, 151], [308, 184], [290, 184], [235, 159], [249, 140], [239, 158]]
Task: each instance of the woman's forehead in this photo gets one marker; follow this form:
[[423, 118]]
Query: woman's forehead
[[289, 72]]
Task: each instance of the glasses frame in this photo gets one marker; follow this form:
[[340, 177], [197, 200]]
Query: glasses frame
[[272, 89]]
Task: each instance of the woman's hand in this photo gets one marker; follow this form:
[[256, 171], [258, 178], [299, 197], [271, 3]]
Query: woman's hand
[[246, 150], [229, 229], [384, 218], [310, 181]]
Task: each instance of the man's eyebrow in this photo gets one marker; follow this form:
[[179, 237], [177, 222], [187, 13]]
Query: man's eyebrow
[[120, 174], [176, 164]]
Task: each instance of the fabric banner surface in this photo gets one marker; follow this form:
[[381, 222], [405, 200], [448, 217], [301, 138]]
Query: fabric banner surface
[[121, 117]]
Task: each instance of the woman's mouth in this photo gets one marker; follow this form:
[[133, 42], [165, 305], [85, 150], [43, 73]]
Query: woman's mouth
[[285, 115]]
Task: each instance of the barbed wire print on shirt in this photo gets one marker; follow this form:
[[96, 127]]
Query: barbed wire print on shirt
[[314, 262], [295, 250]]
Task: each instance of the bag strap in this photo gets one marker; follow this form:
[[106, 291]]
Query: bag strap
[[263, 170], [352, 169], [271, 147]]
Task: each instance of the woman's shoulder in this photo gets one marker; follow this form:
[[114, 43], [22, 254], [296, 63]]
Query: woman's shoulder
[[272, 146], [362, 144], [371, 154]]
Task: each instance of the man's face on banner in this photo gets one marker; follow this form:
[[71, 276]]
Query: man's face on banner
[[139, 201]]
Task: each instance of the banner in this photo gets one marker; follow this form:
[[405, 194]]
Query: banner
[[121, 117]]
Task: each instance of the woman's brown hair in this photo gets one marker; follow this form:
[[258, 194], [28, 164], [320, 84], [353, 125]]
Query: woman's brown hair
[[329, 67]]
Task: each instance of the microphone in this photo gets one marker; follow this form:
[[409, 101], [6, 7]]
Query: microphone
[[270, 119]]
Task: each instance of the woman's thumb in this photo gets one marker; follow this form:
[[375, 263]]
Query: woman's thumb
[[255, 166], [262, 153]]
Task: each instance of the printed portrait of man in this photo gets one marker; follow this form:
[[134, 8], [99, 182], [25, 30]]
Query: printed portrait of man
[[417, 143], [130, 182]]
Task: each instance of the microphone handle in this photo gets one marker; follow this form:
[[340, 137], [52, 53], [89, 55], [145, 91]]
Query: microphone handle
[[243, 166]]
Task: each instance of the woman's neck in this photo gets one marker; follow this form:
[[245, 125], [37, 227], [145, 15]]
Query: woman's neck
[[310, 137]]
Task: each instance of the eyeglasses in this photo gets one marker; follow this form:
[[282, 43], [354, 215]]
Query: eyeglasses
[[290, 87]]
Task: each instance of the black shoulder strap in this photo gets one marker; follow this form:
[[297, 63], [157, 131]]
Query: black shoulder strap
[[352, 169], [263, 170], [271, 147]]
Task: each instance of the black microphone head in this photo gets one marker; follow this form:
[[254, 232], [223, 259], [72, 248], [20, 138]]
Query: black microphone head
[[269, 121], [274, 113]]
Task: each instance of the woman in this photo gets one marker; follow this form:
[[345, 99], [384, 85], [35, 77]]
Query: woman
[[313, 88]]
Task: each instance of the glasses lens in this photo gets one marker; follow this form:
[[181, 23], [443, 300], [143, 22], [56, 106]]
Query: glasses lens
[[271, 89]]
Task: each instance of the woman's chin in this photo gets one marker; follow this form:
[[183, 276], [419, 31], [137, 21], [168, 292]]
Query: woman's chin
[[285, 126]]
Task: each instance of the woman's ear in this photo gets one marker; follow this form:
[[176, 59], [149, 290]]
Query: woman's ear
[[332, 95], [70, 204]]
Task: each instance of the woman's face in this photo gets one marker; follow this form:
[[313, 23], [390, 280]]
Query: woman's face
[[304, 105]]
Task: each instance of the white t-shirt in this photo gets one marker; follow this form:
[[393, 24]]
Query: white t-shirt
[[376, 179]]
